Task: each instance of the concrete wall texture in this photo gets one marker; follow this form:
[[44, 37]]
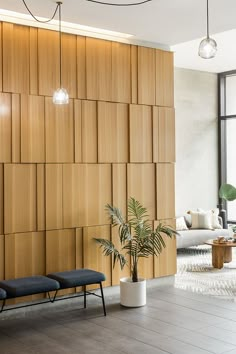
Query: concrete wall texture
[[196, 140]]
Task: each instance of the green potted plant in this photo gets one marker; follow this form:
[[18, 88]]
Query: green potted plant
[[227, 192], [137, 239]]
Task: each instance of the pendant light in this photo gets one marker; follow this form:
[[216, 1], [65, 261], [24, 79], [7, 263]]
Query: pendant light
[[208, 47], [60, 96]]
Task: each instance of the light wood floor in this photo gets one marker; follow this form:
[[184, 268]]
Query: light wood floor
[[174, 321]]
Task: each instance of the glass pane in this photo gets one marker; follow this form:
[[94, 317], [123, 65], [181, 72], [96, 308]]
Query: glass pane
[[230, 95], [231, 163]]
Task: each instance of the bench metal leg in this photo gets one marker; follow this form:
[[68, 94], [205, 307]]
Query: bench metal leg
[[103, 301], [85, 304], [52, 299], [3, 304]]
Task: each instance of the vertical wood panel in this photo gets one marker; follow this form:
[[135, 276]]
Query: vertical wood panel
[[79, 253], [69, 74], [93, 257], [54, 210], [2, 258], [94, 194], [121, 73], [166, 134], [16, 56], [141, 186], [19, 198], [1, 57], [59, 132], [5, 127], [78, 130], [98, 69], [164, 78], [165, 264], [146, 76], [61, 252], [33, 61], [41, 203], [165, 189], [29, 247], [16, 130], [81, 67], [89, 132], [134, 74], [119, 187], [71, 195], [140, 133], [155, 133], [146, 267], [48, 61], [117, 273], [112, 132], [32, 129], [1, 200]]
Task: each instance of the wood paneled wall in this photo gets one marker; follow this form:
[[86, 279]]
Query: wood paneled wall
[[60, 165]]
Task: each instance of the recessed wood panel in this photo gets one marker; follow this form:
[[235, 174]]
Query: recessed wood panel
[[54, 209], [89, 132], [146, 76], [48, 61], [41, 202], [117, 273], [93, 257], [134, 74], [121, 73], [165, 190], [164, 78], [2, 258], [59, 132], [140, 133], [68, 63], [112, 132], [1, 201], [19, 198], [78, 130], [5, 127], [146, 267], [32, 129], [33, 61], [81, 67], [16, 56], [98, 69], [71, 196], [166, 134], [141, 186], [61, 252], [24, 257], [119, 187], [94, 194], [166, 263], [16, 130]]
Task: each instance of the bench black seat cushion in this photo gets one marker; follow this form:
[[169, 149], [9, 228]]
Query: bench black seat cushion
[[3, 294], [77, 277], [28, 286]]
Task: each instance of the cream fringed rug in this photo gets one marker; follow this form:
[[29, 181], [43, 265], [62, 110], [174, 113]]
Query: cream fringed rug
[[195, 273]]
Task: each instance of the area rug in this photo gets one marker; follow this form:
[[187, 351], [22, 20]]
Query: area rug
[[195, 273]]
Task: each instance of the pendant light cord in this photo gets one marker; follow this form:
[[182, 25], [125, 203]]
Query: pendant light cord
[[207, 20], [36, 19], [60, 38]]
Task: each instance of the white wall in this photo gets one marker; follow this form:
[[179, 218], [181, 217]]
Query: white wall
[[196, 140]]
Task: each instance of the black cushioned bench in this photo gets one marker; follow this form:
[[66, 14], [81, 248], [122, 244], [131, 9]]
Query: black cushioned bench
[[52, 282]]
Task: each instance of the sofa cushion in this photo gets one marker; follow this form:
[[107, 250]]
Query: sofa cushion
[[201, 219], [181, 224], [190, 238]]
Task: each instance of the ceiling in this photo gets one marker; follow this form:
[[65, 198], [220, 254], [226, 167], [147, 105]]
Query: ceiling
[[169, 22]]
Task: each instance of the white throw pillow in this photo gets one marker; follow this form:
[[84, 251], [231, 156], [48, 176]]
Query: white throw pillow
[[201, 219], [214, 217], [181, 224]]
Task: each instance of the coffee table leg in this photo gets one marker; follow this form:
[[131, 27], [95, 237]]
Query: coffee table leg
[[217, 257], [227, 254]]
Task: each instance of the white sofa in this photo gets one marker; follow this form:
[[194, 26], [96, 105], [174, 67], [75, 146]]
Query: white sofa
[[194, 237]]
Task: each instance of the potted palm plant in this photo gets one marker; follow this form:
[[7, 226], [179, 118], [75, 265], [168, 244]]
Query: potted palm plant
[[137, 239]]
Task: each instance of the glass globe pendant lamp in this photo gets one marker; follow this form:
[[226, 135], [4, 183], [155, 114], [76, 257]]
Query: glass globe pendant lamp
[[208, 46]]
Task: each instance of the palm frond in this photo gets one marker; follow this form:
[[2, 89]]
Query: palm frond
[[108, 248], [135, 210], [115, 214]]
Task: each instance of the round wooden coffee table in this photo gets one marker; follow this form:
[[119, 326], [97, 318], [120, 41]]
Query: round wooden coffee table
[[221, 253]]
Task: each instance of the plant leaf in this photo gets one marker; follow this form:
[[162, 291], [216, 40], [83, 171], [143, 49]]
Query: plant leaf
[[227, 192]]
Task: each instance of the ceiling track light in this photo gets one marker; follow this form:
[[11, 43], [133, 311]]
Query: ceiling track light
[[208, 46], [60, 96]]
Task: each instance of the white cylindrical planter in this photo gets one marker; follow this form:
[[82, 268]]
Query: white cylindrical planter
[[132, 294]]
